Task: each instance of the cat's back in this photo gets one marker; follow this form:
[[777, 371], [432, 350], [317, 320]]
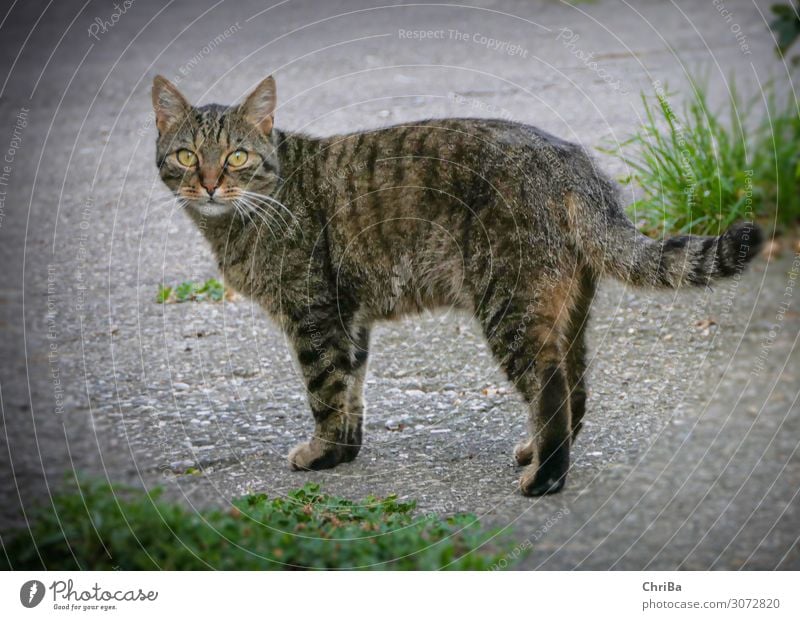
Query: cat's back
[[445, 154], [451, 132]]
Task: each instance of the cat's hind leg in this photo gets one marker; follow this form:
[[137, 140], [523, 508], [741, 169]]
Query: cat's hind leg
[[355, 394], [527, 334], [333, 363], [576, 349]]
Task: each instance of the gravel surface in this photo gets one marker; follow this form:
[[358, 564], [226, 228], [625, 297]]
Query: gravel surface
[[688, 457]]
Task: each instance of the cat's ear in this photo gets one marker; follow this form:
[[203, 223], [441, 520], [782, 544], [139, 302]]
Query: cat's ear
[[259, 107], [168, 103]]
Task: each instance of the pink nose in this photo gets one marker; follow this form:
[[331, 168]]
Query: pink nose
[[209, 179]]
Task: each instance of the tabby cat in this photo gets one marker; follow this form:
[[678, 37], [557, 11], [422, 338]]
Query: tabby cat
[[493, 217]]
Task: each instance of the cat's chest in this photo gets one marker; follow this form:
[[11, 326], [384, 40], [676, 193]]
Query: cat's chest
[[266, 275], [241, 265]]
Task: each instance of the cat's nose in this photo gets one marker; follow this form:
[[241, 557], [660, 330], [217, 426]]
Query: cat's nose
[[210, 179]]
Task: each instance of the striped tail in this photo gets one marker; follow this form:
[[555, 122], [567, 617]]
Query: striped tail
[[613, 246], [681, 261]]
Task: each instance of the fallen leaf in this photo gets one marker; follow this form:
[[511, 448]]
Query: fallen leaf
[[705, 323], [772, 249]]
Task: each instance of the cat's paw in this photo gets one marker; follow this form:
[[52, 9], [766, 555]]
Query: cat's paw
[[549, 477], [314, 455], [524, 452]]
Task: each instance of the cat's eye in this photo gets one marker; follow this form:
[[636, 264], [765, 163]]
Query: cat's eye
[[237, 158], [186, 158]]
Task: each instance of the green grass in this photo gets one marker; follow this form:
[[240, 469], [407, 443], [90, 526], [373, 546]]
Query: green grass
[[692, 167], [700, 171], [778, 164], [102, 527], [211, 290]]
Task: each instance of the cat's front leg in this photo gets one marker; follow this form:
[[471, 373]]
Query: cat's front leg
[[333, 368]]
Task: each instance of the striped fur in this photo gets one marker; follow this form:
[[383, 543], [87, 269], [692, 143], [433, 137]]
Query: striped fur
[[495, 218]]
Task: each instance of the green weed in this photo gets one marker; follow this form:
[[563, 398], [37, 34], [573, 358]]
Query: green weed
[[98, 526], [692, 167], [211, 290], [699, 174]]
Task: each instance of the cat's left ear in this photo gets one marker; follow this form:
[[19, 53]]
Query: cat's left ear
[[259, 107]]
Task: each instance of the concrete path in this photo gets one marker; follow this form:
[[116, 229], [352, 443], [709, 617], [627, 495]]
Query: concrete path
[[689, 455]]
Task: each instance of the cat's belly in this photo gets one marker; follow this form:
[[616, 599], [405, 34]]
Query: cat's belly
[[408, 288]]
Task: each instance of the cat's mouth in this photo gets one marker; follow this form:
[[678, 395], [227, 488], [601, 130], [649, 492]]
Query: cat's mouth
[[209, 206], [244, 202]]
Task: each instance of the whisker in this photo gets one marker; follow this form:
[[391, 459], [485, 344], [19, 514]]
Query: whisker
[[262, 215], [254, 204], [263, 222], [275, 215], [252, 211], [271, 200], [239, 211]]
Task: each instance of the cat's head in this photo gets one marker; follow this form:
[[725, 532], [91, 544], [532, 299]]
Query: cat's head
[[217, 159]]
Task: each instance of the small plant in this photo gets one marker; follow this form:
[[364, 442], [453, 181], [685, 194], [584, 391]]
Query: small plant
[[185, 291], [163, 294], [211, 289], [99, 526]]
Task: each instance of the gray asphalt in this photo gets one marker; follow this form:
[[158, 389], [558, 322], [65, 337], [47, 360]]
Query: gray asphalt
[[688, 458]]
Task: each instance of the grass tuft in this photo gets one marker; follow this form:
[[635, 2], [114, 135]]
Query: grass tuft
[[700, 174]]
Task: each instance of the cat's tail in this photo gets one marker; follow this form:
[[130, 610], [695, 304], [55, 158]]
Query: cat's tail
[[616, 248]]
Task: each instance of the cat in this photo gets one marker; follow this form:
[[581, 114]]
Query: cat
[[493, 217]]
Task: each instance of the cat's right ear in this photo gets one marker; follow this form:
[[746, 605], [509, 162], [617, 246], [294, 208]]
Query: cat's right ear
[[168, 103]]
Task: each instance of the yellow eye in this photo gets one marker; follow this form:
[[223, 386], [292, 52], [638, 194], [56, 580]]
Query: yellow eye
[[237, 158], [186, 158]]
